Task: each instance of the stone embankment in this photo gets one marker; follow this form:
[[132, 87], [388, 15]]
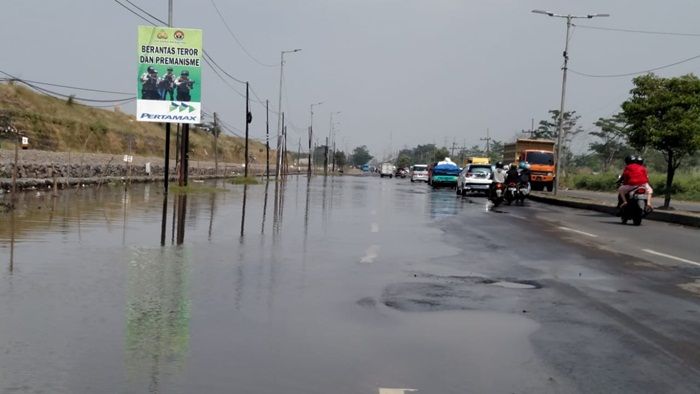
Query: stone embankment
[[42, 169]]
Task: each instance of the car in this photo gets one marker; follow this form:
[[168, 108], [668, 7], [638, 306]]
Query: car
[[419, 172], [475, 178]]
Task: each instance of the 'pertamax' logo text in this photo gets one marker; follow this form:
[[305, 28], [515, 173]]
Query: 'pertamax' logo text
[[146, 115]]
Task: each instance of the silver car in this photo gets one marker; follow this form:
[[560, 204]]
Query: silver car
[[475, 178], [419, 172]]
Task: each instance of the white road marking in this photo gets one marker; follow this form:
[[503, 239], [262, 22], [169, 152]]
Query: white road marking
[[395, 391], [668, 256], [371, 254], [375, 228], [578, 232], [519, 217]]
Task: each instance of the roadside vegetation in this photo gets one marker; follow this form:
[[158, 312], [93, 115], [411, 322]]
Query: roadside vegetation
[[63, 125]]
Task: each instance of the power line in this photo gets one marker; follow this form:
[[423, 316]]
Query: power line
[[53, 93], [240, 44], [70, 87], [134, 12], [147, 13], [663, 33], [634, 73]]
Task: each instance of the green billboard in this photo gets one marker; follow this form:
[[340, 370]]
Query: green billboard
[[169, 75]]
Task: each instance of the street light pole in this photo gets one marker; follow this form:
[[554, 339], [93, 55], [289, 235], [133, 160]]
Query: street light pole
[[279, 113], [330, 136], [560, 122], [311, 136]]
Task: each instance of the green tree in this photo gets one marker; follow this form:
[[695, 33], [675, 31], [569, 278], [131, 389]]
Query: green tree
[[404, 161], [340, 159], [548, 129], [360, 155], [440, 154], [664, 114], [612, 144]]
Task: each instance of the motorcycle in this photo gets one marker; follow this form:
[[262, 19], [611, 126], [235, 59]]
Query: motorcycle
[[513, 193], [497, 193], [636, 207]]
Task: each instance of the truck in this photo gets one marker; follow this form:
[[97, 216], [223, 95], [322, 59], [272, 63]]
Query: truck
[[387, 169], [539, 154]]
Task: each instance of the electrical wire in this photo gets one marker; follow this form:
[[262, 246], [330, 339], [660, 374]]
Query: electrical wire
[[635, 73], [240, 44], [62, 95], [663, 33], [67, 86], [134, 12], [147, 13]]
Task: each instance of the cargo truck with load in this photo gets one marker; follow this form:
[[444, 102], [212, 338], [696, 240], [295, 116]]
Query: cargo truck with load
[[539, 154]]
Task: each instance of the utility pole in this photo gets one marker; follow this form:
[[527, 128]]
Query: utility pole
[[248, 119], [311, 136], [560, 121], [279, 113], [267, 139], [298, 155], [166, 167], [452, 150], [488, 143], [325, 158]]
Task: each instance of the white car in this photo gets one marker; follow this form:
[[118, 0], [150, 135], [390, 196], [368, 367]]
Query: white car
[[475, 178], [419, 172]]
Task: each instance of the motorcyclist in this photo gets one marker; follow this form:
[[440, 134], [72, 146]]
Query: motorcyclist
[[497, 176], [183, 86], [524, 168], [166, 86], [149, 84], [512, 175], [633, 176]]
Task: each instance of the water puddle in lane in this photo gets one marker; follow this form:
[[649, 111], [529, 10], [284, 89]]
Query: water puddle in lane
[[514, 285]]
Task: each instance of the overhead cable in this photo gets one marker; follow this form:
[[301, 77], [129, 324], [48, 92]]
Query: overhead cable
[[634, 73], [662, 33], [240, 44]]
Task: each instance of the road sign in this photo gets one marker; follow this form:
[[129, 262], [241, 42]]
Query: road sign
[[128, 158], [169, 75]]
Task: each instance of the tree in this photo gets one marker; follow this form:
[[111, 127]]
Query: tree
[[549, 129], [612, 145], [664, 114], [404, 161], [360, 155], [440, 154], [340, 159]]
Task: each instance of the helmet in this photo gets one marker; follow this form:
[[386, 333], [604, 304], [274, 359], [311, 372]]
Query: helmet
[[639, 160], [523, 165], [499, 164], [185, 73], [150, 69], [170, 69], [629, 159], [513, 166]]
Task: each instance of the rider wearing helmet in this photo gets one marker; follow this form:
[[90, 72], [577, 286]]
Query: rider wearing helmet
[[633, 176], [512, 176], [499, 174], [524, 169]]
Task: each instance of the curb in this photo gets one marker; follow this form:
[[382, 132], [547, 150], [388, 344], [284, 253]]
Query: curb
[[683, 218]]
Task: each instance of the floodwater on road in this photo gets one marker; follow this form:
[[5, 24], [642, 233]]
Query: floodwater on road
[[333, 285]]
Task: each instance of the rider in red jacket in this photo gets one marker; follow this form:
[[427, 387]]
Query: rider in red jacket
[[634, 175]]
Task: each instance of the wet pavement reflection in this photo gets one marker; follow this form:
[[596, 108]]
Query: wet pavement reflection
[[112, 290]]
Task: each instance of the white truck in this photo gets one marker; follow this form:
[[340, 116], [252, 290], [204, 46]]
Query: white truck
[[387, 169]]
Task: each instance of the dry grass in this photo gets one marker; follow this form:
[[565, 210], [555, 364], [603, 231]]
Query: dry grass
[[55, 125]]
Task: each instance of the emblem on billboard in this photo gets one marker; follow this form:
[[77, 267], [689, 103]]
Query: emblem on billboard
[[179, 35], [162, 35]]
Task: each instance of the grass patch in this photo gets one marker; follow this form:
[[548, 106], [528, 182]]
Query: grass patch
[[240, 180], [195, 189], [686, 186]]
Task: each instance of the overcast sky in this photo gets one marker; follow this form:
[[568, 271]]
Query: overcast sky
[[403, 72]]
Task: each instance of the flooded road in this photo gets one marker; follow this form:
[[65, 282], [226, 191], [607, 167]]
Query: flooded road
[[334, 285]]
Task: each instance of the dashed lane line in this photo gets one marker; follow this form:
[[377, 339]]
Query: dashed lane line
[[668, 256], [395, 391], [578, 232]]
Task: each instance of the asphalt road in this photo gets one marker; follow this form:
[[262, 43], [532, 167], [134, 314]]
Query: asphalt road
[[342, 285], [611, 198]]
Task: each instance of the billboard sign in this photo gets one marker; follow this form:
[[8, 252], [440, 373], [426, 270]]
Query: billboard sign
[[169, 75]]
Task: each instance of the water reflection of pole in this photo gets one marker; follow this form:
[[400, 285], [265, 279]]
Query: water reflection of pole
[[181, 212], [164, 220], [12, 241], [245, 197], [212, 209], [125, 201], [267, 185], [172, 230]]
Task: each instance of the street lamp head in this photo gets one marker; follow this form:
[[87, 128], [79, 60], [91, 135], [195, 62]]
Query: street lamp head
[[297, 50], [590, 16], [543, 12]]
